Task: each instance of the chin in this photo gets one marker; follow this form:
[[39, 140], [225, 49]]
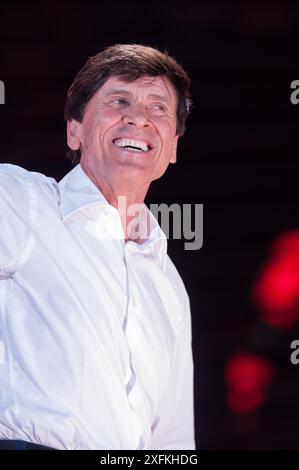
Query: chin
[[134, 174]]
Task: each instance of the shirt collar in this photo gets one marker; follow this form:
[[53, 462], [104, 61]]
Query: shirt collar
[[79, 194]]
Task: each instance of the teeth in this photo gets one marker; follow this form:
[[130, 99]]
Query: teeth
[[131, 143]]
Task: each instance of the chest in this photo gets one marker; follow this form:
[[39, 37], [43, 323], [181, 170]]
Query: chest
[[99, 294]]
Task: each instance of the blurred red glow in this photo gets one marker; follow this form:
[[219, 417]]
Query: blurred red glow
[[248, 378], [276, 292], [276, 295]]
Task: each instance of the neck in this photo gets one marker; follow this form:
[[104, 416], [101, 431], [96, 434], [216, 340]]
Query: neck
[[127, 199]]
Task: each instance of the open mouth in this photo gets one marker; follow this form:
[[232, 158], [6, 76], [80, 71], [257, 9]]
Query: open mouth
[[133, 145]]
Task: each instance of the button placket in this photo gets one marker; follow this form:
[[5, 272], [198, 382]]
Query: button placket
[[130, 331]]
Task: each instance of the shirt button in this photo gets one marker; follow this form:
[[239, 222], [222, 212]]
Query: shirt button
[[134, 302]]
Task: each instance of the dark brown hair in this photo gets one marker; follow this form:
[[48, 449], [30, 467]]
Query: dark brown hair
[[128, 61]]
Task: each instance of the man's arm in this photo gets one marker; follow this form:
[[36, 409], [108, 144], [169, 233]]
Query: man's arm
[[174, 427], [15, 217]]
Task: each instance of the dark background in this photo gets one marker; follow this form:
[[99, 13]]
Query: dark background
[[239, 157]]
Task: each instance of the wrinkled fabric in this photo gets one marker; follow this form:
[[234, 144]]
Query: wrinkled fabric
[[95, 332]]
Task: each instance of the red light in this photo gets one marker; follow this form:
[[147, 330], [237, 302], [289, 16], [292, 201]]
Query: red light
[[277, 290], [247, 378]]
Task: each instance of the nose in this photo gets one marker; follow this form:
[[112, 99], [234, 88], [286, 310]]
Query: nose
[[136, 115]]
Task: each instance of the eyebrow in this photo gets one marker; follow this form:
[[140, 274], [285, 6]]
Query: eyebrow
[[160, 97], [127, 92]]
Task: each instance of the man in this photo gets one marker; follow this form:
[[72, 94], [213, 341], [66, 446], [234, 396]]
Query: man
[[95, 320]]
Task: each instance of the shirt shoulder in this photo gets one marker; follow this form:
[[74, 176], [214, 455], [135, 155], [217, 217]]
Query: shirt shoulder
[[25, 185], [22, 194], [14, 192], [12, 174]]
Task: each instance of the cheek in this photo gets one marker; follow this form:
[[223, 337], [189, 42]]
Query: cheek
[[103, 121], [110, 117], [166, 128], [108, 122], [91, 137], [168, 138], [97, 129]]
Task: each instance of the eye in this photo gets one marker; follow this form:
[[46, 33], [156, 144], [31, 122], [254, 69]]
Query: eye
[[157, 108], [119, 101]]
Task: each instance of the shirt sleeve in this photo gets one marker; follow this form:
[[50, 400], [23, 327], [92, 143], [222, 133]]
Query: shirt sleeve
[[15, 216], [174, 426]]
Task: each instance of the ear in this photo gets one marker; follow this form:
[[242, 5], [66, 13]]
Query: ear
[[174, 149], [73, 134]]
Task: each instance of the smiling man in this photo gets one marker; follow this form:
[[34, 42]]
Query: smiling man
[[127, 136], [95, 319]]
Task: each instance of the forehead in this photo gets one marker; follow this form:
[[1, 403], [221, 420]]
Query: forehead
[[159, 86]]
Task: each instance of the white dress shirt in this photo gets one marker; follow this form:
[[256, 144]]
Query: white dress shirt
[[95, 332]]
